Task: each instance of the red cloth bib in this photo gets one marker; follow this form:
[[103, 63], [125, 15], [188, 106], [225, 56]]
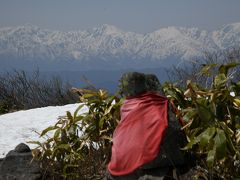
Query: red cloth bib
[[138, 136]]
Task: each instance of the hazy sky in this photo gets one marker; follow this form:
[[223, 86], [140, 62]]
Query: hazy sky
[[130, 15]]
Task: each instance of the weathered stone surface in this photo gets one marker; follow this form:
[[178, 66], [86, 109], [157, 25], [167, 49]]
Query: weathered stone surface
[[21, 148], [132, 83], [19, 165], [135, 83]]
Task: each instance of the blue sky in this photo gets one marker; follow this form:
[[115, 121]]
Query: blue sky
[[130, 15]]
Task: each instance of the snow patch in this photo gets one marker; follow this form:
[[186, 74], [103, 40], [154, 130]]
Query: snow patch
[[22, 126]]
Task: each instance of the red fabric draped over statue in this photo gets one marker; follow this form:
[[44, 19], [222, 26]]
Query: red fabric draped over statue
[[138, 136]]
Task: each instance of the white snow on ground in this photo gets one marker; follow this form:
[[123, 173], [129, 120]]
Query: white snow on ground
[[22, 126]]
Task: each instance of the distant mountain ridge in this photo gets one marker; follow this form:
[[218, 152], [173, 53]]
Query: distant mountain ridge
[[108, 47]]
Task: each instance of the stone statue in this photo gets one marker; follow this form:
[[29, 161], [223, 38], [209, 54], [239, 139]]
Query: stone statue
[[170, 156]]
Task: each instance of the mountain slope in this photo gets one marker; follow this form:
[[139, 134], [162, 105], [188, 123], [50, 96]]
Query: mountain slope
[[109, 47]]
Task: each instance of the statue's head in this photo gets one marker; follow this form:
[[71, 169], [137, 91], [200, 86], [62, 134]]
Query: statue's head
[[152, 83], [135, 83]]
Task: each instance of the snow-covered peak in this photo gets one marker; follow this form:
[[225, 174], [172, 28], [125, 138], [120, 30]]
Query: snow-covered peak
[[106, 29], [227, 36], [230, 27], [167, 32], [26, 29], [112, 44]]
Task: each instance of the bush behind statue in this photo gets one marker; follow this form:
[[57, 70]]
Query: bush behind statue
[[212, 117]]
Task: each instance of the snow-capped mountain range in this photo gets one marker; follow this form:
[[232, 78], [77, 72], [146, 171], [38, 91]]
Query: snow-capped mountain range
[[109, 47]]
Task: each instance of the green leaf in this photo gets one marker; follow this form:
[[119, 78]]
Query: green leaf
[[237, 122], [107, 137], [220, 144], [49, 140], [191, 142], [206, 68], [238, 137], [108, 109], [48, 152], [189, 114], [205, 114], [230, 145], [227, 129], [35, 142], [64, 146], [220, 80], [69, 115], [90, 95], [236, 102], [205, 136], [225, 68], [57, 134], [210, 157], [188, 93], [77, 110], [45, 131], [102, 121]]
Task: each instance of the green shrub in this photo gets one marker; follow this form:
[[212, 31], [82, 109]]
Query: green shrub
[[4, 107], [80, 145], [212, 120]]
